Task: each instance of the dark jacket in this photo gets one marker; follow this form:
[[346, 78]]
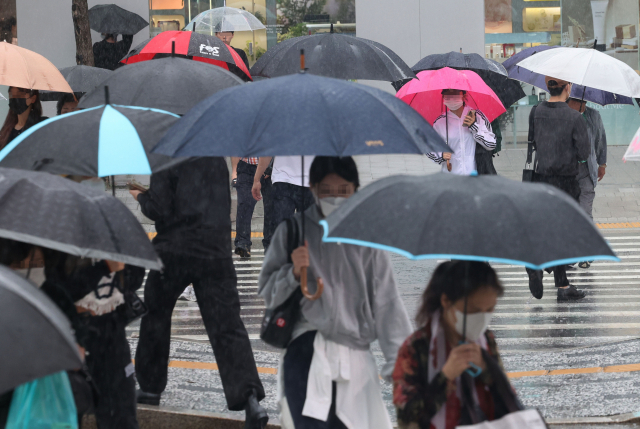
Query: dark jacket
[[560, 135], [243, 55], [108, 55], [191, 205]]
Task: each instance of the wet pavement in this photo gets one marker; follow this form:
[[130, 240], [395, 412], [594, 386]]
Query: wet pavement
[[569, 360]]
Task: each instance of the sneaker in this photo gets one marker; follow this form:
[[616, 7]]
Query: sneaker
[[570, 293], [188, 295], [256, 416], [243, 253], [584, 264], [147, 398], [234, 183]]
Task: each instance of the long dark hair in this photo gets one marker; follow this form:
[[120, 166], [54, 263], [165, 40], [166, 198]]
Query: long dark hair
[[343, 166], [12, 119], [454, 279]]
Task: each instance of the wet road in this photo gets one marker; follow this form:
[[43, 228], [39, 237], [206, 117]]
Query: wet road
[[567, 359]]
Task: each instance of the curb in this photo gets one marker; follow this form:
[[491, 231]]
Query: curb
[[615, 419]]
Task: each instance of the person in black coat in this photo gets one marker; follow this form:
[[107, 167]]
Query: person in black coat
[[226, 37], [191, 205], [107, 53]]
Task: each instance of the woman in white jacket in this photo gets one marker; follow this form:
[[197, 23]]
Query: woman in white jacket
[[328, 375]]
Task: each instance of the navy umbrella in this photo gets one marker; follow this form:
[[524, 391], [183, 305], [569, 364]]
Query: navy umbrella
[[112, 19], [81, 79], [580, 92]]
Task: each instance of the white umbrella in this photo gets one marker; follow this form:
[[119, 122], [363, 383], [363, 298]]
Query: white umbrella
[[222, 19], [587, 67]]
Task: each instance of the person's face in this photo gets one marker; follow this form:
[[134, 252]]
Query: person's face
[[452, 92], [483, 300], [68, 107], [333, 186], [18, 93], [226, 36]]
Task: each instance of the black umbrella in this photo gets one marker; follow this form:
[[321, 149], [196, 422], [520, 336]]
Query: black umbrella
[[478, 218], [102, 141], [333, 55], [57, 213], [81, 79], [171, 84], [112, 19], [493, 73], [36, 338]]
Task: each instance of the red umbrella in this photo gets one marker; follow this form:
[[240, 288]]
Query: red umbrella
[[196, 46], [425, 93]]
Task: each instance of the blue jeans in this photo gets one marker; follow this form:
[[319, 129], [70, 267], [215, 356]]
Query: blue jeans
[[246, 205], [287, 200]]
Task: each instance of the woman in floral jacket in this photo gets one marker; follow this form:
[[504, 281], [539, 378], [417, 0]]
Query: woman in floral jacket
[[433, 388]]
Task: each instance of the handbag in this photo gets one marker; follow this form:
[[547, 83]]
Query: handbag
[[278, 323], [530, 166]]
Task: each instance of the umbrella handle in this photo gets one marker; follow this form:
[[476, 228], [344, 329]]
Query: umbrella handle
[[449, 166], [305, 289]]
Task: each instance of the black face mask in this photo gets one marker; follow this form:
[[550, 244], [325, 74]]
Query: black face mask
[[18, 105]]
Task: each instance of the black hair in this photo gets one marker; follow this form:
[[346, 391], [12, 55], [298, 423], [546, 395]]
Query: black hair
[[455, 279], [67, 98], [343, 166], [555, 89]]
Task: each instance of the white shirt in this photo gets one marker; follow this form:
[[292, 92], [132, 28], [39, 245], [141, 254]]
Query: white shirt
[[288, 169], [463, 140]]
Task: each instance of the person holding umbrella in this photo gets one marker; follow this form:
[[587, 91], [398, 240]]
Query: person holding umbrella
[[25, 110], [108, 52], [360, 304], [227, 36], [462, 127]]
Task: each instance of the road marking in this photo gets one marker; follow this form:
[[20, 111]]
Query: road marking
[[618, 225], [567, 314], [565, 326]]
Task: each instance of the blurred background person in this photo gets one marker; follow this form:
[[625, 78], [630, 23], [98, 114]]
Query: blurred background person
[[108, 52], [25, 110]]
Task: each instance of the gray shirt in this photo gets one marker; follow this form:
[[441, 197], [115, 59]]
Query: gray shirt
[[360, 302], [598, 139]]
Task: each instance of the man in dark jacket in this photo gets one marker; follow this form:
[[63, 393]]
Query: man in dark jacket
[[562, 143], [107, 53], [191, 205], [226, 37]]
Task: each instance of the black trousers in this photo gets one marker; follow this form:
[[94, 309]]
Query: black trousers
[[246, 205], [214, 282], [297, 362], [110, 366], [570, 185], [287, 200]]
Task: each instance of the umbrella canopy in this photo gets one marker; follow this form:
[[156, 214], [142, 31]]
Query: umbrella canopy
[[578, 91], [112, 19], [477, 218], [36, 338], [300, 114], [223, 19], [491, 72], [101, 141], [587, 67], [25, 69], [333, 55], [199, 47], [57, 213], [425, 93], [80, 78], [633, 151], [171, 84]]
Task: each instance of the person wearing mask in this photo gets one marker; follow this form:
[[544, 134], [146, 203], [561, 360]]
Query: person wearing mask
[[562, 144], [592, 171], [191, 206], [246, 204], [462, 128], [107, 53], [289, 190], [359, 305], [431, 385], [25, 110]]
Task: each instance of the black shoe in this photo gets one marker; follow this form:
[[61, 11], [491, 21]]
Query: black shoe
[[256, 416], [147, 398], [584, 264], [536, 288], [570, 293], [234, 183], [243, 253]]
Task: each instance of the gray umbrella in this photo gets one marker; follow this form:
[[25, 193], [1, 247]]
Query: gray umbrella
[[36, 338], [478, 218], [80, 78], [112, 19], [54, 212]]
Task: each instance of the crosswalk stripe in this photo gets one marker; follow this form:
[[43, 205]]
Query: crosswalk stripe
[[539, 327]]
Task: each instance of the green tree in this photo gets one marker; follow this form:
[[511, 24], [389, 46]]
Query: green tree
[[294, 11], [294, 31], [346, 11]]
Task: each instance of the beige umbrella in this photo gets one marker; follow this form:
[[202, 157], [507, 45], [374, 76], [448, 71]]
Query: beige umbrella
[[26, 69]]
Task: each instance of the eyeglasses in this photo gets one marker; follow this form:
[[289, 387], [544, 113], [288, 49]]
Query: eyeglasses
[[345, 190]]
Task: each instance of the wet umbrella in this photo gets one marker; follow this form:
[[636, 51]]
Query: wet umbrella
[[26, 69], [195, 46], [597, 96], [36, 338], [105, 140], [112, 19], [333, 55], [633, 151], [171, 84], [222, 19], [50, 211], [80, 78], [425, 93]]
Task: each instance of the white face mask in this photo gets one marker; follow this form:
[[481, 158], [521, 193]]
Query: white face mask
[[477, 324], [329, 204], [453, 102]]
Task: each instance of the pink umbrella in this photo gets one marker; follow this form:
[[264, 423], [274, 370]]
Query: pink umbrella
[[424, 93]]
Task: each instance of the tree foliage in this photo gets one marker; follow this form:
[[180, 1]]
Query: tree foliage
[[294, 11]]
